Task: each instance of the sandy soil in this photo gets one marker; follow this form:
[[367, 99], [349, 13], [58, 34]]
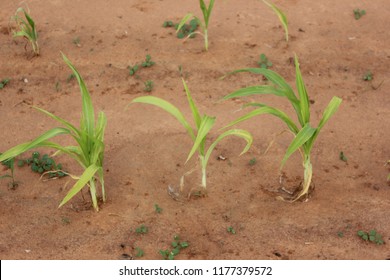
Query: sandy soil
[[146, 148]]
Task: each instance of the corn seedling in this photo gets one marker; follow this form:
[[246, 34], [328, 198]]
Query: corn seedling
[[206, 11], [304, 134], [3, 83], [89, 149], [282, 17], [25, 27], [357, 13], [199, 135]]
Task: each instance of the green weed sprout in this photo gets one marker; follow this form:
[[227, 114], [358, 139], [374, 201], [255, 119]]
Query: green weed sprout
[[26, 28], [203, 126], [282, 17], [4, 82], [10, 164], [304, 134], [206, 11], [89, 149]]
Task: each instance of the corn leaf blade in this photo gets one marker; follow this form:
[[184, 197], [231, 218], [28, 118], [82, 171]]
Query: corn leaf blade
[[303, 97], [300, 139], [194, 109], [168, 107], [281, 15]]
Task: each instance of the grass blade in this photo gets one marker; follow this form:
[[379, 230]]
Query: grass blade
[[281, 15], [267, 110], [304, 103], [83, 180], [236, 132], [255, 90], [300, 139], [205, 126], [171, 109], [194, 109], [21, 148], [332, 107]]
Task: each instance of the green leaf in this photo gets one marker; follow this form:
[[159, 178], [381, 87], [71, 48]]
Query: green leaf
[[205, 126], [165, 105], [300, 139], [194, 109], [183, 21], [303, 97], [37, 142], [83, 180], [268, 110], [281, 15], [332, 108], [236, 132], [255, 90]]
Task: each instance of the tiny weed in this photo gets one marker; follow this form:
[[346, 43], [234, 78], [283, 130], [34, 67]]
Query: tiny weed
[[132, 69], [168, 23], [176, 246], [3, 83], [157, 208], [340, 234], [10, 164], [372, 236], [358, 13], [252, 161], [343, 157], [43, 164], [70, 78], [148, 61], [368, 76], [139, 252], [65, 220], [76, 41], [148, 86], [264, 62], [142, 229], [231, 230], [58, 86]]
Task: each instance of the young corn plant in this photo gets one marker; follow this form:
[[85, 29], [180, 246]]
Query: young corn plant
[[203, 125], [26, 28], [206, 11], [282, 17], [304, 133], [89, 150]]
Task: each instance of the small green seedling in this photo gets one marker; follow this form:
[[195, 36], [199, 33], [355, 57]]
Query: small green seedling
[[25, 27], [264, 62], [44, 164], [10, 164], [148, 86], [231, 230], [304, 134], [139, 253], [70, 78], [76, 41], [371, 236], [206, 11], [176, 246], [357, 13], [199, 135], [340, 234], [168, 23], [4, 82], [89, 151], [157, 208], [148, 62], [142, 229], [132, 69], [343, 157], [252, 161], [368, 76]]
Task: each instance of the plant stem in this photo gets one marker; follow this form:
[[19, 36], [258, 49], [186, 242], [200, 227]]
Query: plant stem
[[204, 175], [206, 40], [307, 176], [92, 189]]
